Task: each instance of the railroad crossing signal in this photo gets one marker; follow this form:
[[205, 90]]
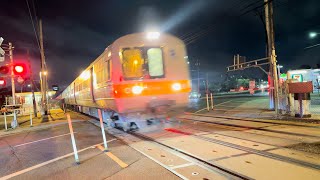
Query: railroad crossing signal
[[19, 69], [4, 69], [2, 81], [1, 51]]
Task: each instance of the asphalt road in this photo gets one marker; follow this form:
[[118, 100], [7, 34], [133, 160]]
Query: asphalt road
[[48, 154]]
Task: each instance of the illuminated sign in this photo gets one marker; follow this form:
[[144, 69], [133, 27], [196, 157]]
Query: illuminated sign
[[283, 76], [298, 77]]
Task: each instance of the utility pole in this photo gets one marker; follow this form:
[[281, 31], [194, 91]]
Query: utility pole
[[43, 74], [198, 70], [32, 86], [13, 88], [238, 61], [274, 87], [207, 83]]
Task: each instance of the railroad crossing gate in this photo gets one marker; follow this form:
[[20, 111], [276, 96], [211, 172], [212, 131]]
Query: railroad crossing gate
[[252, 85]]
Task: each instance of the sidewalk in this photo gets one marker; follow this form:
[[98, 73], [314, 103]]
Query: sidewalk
[[56, 117]]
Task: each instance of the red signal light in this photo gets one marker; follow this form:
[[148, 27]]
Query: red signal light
[[19, 69], [4, 69], [2, 82]]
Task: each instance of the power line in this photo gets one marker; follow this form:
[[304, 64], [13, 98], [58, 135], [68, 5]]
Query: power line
[[211, 27], [33, 26], [34, 11], [193, 32], [199, 34]]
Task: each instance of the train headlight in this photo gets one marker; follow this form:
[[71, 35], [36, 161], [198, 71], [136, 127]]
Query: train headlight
[[176, 86], [153, 35], [137, 89]]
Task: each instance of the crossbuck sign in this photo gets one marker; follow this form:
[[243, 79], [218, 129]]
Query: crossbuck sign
[[1, 51]]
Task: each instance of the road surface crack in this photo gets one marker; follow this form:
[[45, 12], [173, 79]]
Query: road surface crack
[[12, 150]]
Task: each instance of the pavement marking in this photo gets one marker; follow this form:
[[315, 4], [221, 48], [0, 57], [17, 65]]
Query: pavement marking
[[182, 165], [213, 106], [200, 110], [35, 128], [42, 140], [48, 162], [113, 157]]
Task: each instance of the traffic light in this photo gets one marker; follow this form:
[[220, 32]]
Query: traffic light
[[2, 81]]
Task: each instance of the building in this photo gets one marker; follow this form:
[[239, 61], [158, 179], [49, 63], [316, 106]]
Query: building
[[25, 98]]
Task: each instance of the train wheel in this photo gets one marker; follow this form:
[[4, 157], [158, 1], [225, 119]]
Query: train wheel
[[112, 124]]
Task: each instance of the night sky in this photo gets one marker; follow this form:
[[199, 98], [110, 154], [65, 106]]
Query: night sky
[[76, 32]]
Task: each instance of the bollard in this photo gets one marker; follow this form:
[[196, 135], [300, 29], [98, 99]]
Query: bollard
[[30, 118], [207, 96], [64, 108], [73, 140], [14, 123], [102, 131], [211, 101], [5, 121]]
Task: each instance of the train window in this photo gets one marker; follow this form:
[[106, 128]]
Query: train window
[[132, 63], [155, 62], [102, 71]]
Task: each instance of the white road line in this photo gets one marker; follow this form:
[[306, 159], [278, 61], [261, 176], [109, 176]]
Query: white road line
[[213, 106], [200, 110], [223, 103], [48, 162], [158, 162], [41, 140], [182, 165]]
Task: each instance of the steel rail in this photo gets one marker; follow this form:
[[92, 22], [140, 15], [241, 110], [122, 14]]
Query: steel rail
[[248, 127], [258, 152], [211, 164], [252, 120]]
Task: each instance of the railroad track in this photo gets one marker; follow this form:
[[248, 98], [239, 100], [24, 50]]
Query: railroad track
[[121, 135], [250, 127], [220, 169], [253, 151], [211, 164], [251, 120]]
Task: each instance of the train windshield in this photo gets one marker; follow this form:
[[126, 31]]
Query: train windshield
[[142, 63]]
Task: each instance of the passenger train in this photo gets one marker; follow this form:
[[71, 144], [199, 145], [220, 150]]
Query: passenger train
[[135, 77]]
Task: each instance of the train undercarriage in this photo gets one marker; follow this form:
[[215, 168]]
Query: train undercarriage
[[131, 121]]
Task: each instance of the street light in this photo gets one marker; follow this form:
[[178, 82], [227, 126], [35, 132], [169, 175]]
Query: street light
[[279, 67], [313, 34]]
